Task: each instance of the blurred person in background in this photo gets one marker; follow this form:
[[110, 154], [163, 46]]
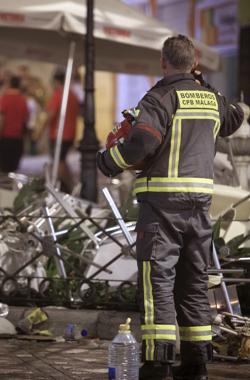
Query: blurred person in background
[[34, 109], [23, 72], [52, 120], [29, 87], [77, 88], [13, 121], [4, 78]]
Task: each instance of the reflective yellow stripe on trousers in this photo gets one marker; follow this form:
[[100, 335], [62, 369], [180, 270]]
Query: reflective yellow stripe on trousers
[[159, 332], [148, 307], [196, 333], [150, 330]]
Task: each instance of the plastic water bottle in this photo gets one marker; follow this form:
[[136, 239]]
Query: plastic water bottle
[[123, 357]]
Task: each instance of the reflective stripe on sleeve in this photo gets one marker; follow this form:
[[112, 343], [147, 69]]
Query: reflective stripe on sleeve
[[179, 184], [117, 157], [196, 333]]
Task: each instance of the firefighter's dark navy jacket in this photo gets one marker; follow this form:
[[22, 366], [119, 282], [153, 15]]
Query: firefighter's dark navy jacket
[[175, 133]]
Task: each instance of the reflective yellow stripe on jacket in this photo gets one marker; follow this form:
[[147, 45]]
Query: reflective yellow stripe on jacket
[[175, 145], [117, 157], [174, 155], [178, 184], [201, 115]]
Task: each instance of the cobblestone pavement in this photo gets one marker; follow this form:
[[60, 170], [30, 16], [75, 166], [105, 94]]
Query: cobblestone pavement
[[87, 360]]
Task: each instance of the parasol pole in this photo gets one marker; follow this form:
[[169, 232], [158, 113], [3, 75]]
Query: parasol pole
[[63, 109]]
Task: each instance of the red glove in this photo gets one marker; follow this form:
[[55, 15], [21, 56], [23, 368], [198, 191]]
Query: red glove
[[120, 131]]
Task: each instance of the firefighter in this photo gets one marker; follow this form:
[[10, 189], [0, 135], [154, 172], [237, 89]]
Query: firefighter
[[174, 135]]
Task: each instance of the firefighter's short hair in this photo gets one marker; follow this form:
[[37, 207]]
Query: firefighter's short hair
[[179, 51]]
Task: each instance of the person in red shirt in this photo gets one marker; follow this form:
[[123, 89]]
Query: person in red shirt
[[13, 118], [72, 112]]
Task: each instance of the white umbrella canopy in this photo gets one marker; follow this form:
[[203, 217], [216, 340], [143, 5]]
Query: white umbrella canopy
[[125, 40]]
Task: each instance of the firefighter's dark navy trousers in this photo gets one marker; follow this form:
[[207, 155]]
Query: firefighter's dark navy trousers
[[173, 253]]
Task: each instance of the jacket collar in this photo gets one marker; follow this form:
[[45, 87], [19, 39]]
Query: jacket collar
[[177, 77]]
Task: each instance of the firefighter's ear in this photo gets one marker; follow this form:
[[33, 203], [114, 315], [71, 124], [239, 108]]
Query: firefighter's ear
[[194, 67], [163, 64]]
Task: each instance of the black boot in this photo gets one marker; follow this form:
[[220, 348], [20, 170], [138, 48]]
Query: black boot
[[190, 372], [155, 371]]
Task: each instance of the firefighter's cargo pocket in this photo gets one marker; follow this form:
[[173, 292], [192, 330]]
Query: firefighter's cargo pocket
[[146, 242]]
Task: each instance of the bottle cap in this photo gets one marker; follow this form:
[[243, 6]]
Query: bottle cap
[[125, 327]]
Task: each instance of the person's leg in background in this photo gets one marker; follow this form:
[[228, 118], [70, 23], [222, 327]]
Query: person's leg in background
[[191, 299], [64, 172], [11, 151]]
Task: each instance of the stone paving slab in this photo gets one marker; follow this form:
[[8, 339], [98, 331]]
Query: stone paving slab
[[84, 360]]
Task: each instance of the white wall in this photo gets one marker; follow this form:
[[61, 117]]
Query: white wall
[[130, 89]]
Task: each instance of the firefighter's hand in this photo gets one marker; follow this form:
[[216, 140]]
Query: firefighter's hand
[[105, 164], [101, 163], [198, 77]]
